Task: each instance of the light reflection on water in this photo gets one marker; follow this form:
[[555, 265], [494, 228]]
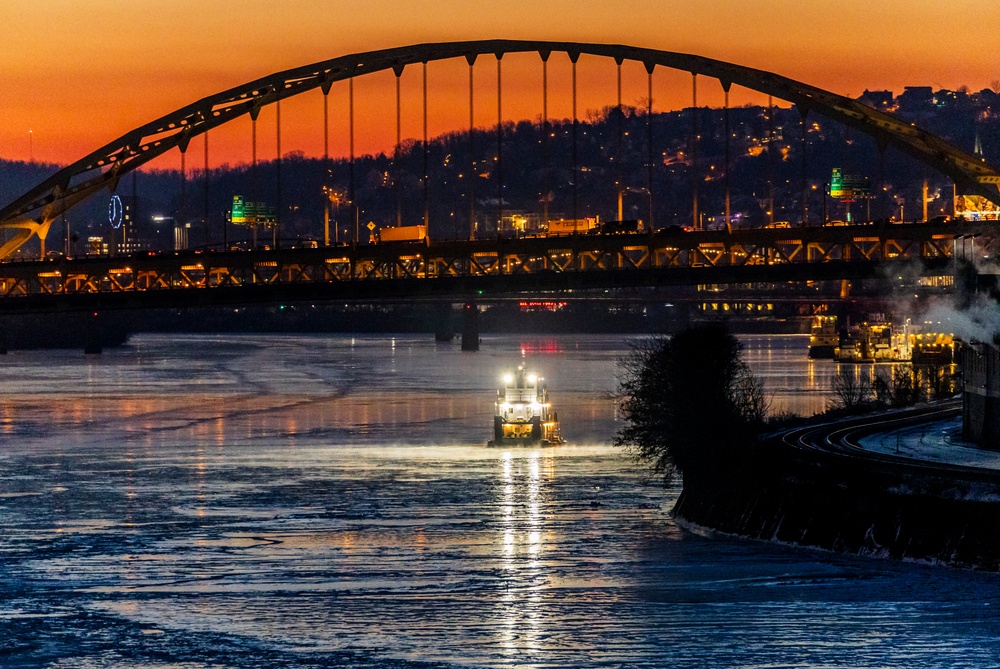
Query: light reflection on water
[[280, 501]]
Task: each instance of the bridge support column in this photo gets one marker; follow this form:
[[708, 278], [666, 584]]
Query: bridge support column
[[770, 164], [427, 208], [92, 339], [207, 217], [350, 134], [471, 184], [397, 151], [499, 169], [619, 132], [573, 57], [803, 111], [725, 116], [649, 141], [276, 230], [545, 137], [470, 326], [695, 217]]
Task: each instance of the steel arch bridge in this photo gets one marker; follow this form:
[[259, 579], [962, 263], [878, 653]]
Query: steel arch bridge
[[33, 212]]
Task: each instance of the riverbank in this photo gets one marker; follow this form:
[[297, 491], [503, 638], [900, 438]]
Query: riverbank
[[806, 488]]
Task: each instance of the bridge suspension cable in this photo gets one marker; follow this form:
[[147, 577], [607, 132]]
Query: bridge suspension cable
[[33, 212]]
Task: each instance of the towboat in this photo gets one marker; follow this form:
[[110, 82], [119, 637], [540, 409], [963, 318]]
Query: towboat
[[824, 337], [523, 415]]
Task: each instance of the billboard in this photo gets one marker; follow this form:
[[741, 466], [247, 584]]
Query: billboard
[[251, 213], [976, 208], [849, 187]]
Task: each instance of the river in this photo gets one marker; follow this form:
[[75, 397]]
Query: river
[[318, 501]]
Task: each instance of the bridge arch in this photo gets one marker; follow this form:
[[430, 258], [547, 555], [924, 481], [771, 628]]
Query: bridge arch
[[33, 212]]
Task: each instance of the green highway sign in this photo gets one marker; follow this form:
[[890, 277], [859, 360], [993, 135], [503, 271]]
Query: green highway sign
[[251, 213], [849, 187]]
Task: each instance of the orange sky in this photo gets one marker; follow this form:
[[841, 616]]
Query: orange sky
[[78, 74]]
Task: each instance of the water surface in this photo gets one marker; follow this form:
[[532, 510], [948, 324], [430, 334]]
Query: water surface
[[312, 501]]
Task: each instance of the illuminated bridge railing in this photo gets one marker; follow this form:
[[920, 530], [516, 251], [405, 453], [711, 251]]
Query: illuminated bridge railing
[[541, 263]]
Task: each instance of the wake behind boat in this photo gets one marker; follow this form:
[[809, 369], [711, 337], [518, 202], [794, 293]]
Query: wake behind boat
[[523, 415]]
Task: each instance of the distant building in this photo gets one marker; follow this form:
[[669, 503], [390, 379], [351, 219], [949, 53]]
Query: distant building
[[951, 99], [988, 104], [981, 395], [181, 235], [988, 96], [916, 98], [97, 246], [520, 223], [129, 246], [881, 100]]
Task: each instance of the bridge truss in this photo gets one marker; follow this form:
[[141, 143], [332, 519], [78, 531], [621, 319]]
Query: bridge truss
[[463, 269]]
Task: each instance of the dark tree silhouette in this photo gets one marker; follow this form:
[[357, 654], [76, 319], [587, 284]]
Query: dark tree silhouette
[[903, 386], [689, 402]]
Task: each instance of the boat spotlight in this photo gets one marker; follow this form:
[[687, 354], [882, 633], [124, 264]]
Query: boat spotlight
[[508, 378], [532, 378]]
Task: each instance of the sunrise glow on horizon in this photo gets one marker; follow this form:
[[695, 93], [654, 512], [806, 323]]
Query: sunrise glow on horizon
[[75, 77]]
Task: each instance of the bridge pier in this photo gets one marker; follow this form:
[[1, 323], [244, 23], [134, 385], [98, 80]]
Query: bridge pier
[[93, 342], [470, 326]]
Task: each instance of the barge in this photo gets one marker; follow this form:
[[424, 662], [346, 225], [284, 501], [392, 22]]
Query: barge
[[878, 340]]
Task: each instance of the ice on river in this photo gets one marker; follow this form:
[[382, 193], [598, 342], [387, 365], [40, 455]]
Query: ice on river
[[312, 501]]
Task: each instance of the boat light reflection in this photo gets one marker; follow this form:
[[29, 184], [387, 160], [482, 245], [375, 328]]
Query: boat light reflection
[[522, 543]]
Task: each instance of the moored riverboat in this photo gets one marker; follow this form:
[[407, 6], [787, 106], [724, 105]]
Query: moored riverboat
[[872, 341], [933, 348], [824, 337], [882, 341]]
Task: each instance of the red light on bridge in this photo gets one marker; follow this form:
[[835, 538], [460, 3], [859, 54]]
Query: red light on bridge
[[541, 305]]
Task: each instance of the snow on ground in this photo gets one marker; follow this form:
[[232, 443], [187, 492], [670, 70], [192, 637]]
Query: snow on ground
[[939, 441]]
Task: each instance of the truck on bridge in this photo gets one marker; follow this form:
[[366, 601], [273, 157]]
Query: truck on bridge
[[403, 233], [570, 226]]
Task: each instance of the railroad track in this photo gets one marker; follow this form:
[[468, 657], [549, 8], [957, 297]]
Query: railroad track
[[839, 441]]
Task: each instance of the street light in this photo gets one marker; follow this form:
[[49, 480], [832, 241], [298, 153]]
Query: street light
[[826, 192], [812, 187], [335, 198]]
